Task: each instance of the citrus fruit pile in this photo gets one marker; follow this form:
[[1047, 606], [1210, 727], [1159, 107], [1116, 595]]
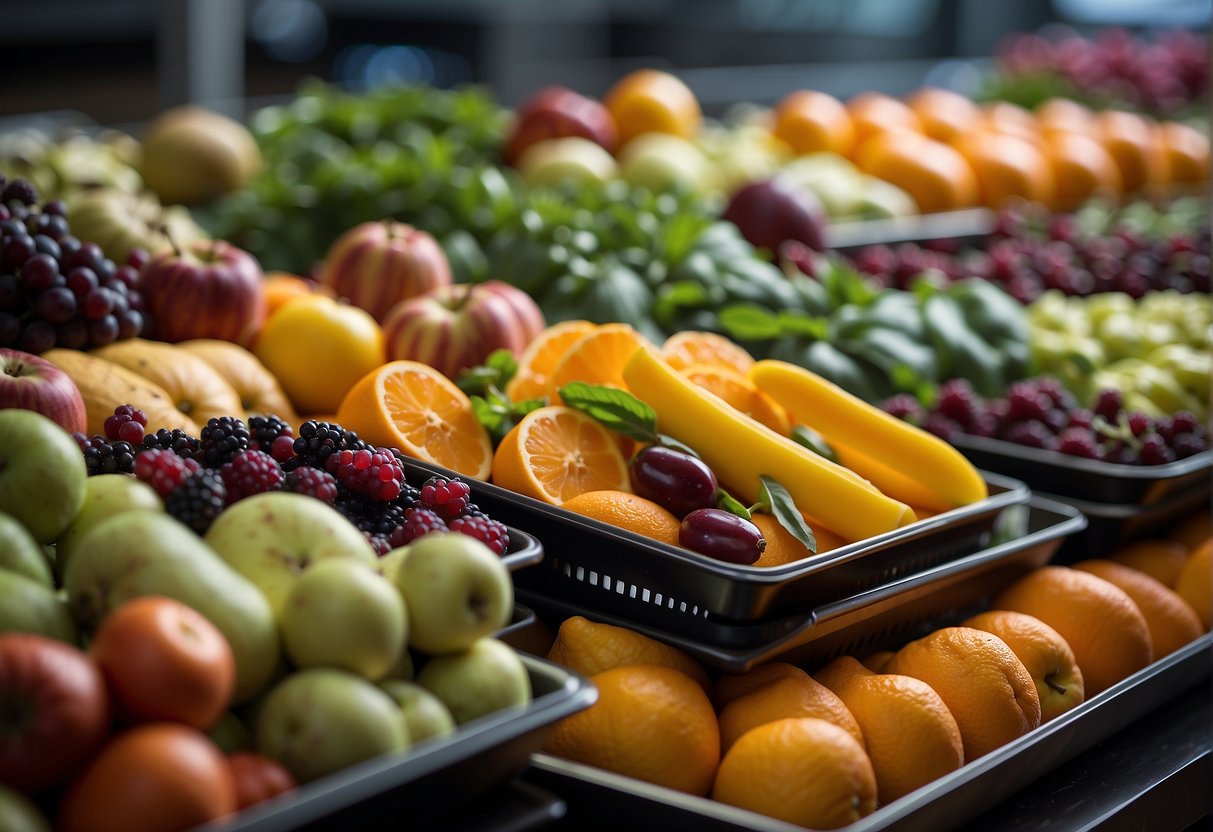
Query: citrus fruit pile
[[822, 747]]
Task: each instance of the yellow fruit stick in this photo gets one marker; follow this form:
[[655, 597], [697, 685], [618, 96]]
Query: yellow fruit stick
[[902, 460], [740, 450]]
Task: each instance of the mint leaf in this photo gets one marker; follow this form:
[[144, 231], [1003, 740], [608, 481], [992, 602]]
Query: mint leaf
[[811, 439], [492, 416], [729, 503], [614, 409], [780, 502], [504, 363], [476, 380], [749, 322]]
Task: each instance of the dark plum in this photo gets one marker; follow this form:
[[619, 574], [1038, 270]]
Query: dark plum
[[675, 480], [722, 535]]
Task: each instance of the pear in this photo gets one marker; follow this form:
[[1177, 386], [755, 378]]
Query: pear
[[150, 553], [20, 553], [30, 607], [105, 496], [192, 155], [121, 222]]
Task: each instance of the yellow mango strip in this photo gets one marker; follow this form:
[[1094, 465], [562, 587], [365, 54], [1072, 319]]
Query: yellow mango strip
[[740, 450], [904, 461]]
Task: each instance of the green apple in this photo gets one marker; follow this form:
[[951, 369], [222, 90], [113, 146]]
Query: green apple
[[424, 713], [455, 590], [18, 814], [483, 679], [571, 159], [272, 538], [319, 721], [231, 734], [42, 473], [879, 199], [389, 564], [20, 553], [835, 180], [659, 161], [31, 607], [342, 613], [104, 496]]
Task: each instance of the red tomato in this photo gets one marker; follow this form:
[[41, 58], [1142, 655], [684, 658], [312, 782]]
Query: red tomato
[[258, 778], [165, 661], [159, 777], [54, 711]]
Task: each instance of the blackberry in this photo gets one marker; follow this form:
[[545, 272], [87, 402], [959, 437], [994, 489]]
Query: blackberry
[[317, 441], [312, 482], [249, 473], [222, 439], [263, 430], [447, 497], [198, 500], [417, 522], [163, 470], [19, 190], [382, 519], [491, 533], [379, 544], [104, 457], [175, 440], [374, 474], [409, 497]]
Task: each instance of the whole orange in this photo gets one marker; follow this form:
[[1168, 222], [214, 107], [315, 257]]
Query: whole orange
[[1161, 559], [1195, 582], [730, 686], [813, 122], [1082, 169], [786, 696], [1185, 152], [627, 511], [1130, 139], [1171, 620], [933, 173], [944, 114], [652, 101], [1007, 167], [591, 647], [873, 113]]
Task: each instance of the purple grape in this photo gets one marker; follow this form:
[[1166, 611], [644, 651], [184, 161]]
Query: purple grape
[[130, 324], [103, 331], [98, 303], [1033, 433], [73, 334], [1026, 401], [39, 273], [721, 535], [81, 281], [957, 400], [55, 208], [10, 329], [45, 245], [88, 255], [38, 337], [11, 296], [70, 245], [56, 305], [673, 479], [17, 249]]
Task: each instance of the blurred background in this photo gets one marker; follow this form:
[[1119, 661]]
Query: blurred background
[[121, 61]]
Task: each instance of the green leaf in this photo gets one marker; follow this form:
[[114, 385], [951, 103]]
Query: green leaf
[[504, 363], [796, 323], [749, 322], [615, 409], [667, 441], [811, 439], [729, 503], [491, 416], [784, 508], [476, 380]]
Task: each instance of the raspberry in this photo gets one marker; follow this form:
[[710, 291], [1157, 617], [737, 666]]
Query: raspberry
[[265, 430], [447, 497], [163, 470], [943, 427], [380, 544], [116, 424], [283, 448], [905, 407], [176, 440], [1056, 419], [1057, 393], [1108, 404], [249, 473], [1026, 402], [1032, 433], [198, 500], [104, 457], [491, 533], [1189, 444], [222, 439], [374, 474], [1120, 452], [1139, 423], [1154, 451], [984, 424], [312, 482], [417, 522], [1080, 418], [1079, 441], [1178, 423], [957, 400]]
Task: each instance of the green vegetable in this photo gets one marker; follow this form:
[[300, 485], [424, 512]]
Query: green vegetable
[[961, 351]]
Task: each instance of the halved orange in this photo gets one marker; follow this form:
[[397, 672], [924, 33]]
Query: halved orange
[[556, 453], [682, 349], [597, 358], [741, 394], [541, 356], [414, 408]]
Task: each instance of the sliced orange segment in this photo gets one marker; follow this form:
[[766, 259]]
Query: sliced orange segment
[[414, 408], [556, 453], [741, 394], [597, 358], [682, 349], [541, 356]]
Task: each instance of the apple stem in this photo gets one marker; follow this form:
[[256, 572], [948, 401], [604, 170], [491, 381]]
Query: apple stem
[[168, 235], [1054, 685], [461, 299], [392, 228]]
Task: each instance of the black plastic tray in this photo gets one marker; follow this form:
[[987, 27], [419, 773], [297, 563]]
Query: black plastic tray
[[1091, 480], [1111, 524], [970, 224], [516, 807], [432, 778], [608, 568], [524, 550], [894, 612], [614, 800]]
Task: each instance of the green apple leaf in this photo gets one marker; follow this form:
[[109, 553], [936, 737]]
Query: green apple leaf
[[614, 409], [776, 499]]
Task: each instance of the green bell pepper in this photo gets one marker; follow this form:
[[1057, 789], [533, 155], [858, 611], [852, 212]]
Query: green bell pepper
[[961, 351]]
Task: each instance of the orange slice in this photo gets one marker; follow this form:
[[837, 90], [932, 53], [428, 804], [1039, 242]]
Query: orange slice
[[597, 358], [414, 408], [741, 394], [556, 453], [682, 349], [541, 356]]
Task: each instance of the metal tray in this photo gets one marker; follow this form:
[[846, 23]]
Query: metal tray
[[1089, 479], [516, 807], [1110, 524], [968, 225], [433, 777], [608, 568], [895, 612], [613, 800]]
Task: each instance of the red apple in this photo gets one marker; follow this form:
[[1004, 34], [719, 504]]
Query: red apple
[[376, 265], [56, 710], [208, 289], [455, 327], [32, 383], [558, 113], [770, 212]]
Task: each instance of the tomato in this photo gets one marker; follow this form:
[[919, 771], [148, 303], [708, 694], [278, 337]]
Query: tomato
[[159, 777], [164, 660], [54, 710], [258, 778]]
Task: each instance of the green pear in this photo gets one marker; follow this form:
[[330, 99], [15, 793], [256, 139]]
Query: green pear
[[319, 721], [105, 496], [42, 473], [231, 734], [18, 814], [483, 679], [571, 159], [150, 553], [20, 553], [341, 613], [30, 607], [424, 713]]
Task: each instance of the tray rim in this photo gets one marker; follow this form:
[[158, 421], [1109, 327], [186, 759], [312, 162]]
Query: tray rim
[[1080, 465], [1123, 511]]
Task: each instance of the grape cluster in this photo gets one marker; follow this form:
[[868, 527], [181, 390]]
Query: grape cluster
[[197, 477], [56, 291], [1040, 413], [1029, 253]]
